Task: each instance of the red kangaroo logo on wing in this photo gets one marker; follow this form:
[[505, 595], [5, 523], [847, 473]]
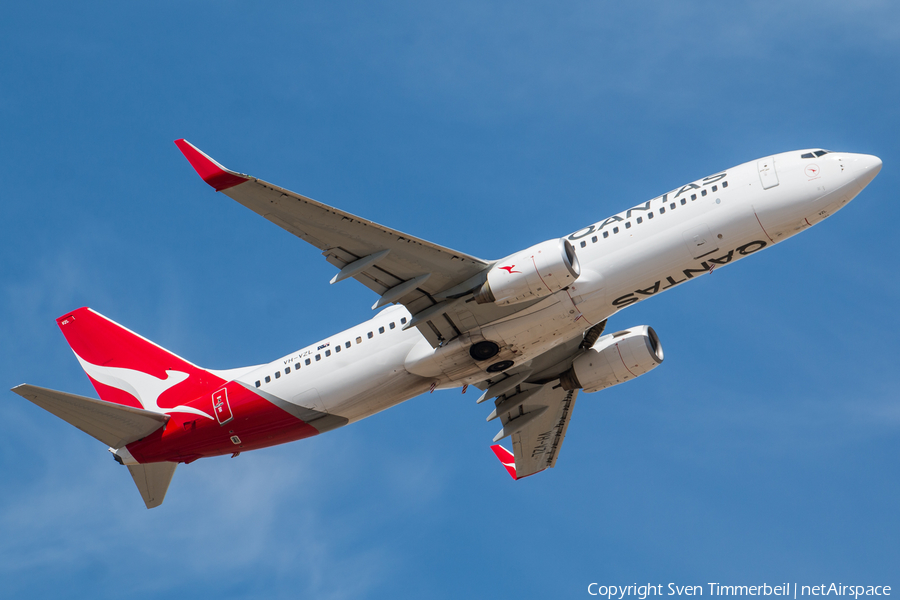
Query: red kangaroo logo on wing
[[510, 268]]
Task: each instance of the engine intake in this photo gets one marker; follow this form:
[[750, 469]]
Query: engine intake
[[614, 359], [533, 273]]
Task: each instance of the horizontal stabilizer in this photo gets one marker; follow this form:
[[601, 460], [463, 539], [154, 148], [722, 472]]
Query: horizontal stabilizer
[[153, 481], [113, 424]]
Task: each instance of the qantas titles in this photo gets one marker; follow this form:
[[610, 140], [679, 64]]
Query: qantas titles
[[647, 206], [706, 266]]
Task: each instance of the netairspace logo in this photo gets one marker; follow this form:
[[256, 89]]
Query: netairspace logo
[[642, 592]]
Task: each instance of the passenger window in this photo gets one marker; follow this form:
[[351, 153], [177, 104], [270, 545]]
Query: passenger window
[[277, 374], [672, 206], [649, 215], [392, 325], [318, 357], [287, 370], [702, 192], [724, 184], [346, 344], [381, 330], [370, 335], [583, 244], [403, 321], [693, 196], [627, 224], [358, 340], [337, 348], [615, 230], [594, 239], [328, 353], [308, 361], [715, 188], [606, 234], [258, 384], [683, 201], [268, 379], [297, 366], [640, 220]]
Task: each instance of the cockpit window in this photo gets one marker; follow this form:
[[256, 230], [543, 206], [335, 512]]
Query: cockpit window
[[821, 152], [808, 155], [815, 154]]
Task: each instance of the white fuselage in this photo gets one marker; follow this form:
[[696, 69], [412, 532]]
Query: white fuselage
[[624, 259]]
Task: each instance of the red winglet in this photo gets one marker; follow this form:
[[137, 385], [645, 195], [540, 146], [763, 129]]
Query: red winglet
[[506, 459], [209, 170]]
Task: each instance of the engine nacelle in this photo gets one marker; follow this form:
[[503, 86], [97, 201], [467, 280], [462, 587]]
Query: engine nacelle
[[533, 273], [613, 359]]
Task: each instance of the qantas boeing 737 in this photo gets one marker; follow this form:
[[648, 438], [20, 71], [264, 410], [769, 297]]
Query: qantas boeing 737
[[528, 330]]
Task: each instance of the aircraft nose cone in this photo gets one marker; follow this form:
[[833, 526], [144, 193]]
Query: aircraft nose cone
[[864, 168]]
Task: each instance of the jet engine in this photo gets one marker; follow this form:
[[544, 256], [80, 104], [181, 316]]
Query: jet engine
[[613, 359], [533, 273]]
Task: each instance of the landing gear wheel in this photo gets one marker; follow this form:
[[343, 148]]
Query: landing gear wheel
[[500, 366], [484, 350]]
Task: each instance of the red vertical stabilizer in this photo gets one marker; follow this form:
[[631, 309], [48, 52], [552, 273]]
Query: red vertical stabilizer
[[128, 369]]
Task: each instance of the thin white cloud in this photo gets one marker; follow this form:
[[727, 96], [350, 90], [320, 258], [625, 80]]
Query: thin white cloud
[[269, 515]]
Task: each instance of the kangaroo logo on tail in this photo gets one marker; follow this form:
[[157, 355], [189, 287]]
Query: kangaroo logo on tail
[[145, 388], [128, 369]]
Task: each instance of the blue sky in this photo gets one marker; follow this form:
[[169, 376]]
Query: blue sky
[[764, 449]]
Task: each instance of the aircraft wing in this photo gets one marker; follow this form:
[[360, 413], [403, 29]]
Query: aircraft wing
[[536, 417], [424, 277]]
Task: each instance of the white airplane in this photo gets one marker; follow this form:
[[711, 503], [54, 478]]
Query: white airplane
[[528, 329]]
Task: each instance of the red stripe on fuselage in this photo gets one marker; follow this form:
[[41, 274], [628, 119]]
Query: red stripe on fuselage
[[257, 423]]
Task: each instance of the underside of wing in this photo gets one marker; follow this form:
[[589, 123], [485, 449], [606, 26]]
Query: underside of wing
[[536, 418], [426, 278]]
